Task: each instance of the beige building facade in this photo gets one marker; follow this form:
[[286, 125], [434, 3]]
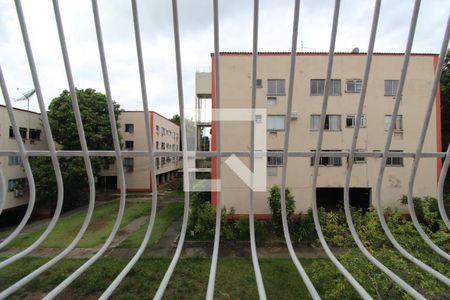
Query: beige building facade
[[271, 94], [166, 138], [33, 136]]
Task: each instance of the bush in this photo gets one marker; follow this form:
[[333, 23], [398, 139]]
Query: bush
[[274, 201]]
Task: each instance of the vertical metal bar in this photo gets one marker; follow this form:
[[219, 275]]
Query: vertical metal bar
[[86, 159], [25, 160], [251, 216], [440, 189], [410, 290], [117, 154], [149, 230], [176, 256], [212, 273], [362, 292], [419, 149], [287, 237], [50, 142], [398, 98]]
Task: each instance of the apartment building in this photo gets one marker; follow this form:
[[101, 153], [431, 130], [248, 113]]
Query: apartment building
[[33, 136], [166, 137], [271, 94]]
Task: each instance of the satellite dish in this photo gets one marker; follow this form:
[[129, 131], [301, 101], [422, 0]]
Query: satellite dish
[[25, 96]]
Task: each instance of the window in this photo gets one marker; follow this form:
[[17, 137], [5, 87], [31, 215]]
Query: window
[[129, 145], [14, 160], [271, 101], [259, 83], [275, 87], [157, 145], [318, 86], [157, 130], [11, 132], [163, 131], [394, 161], [163, 161], [23, 132], [350, 121], [273, 161], [331, 161], [35, 134], [163, 146], [129, 128], [359, 159], [390, 87], [398, 126], [332, 122], [275, 122], [353, 86], [173, 147], [128, 163], [157, 163], [17, 184], [169, 133]]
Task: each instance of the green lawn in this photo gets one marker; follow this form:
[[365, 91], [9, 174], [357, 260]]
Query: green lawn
[[235, 278], [99, 228], [164, 217]]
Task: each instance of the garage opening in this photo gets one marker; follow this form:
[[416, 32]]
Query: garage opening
[[332, 198]]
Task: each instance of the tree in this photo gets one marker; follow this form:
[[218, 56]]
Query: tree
[[94, 114], [176, 119], [274, 201]]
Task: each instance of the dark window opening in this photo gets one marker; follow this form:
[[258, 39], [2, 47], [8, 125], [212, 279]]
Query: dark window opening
[[332, 199]]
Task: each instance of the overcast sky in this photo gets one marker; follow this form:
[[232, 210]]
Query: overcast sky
[[196, 40]]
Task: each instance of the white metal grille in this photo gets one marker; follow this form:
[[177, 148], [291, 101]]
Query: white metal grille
[[285, 155]]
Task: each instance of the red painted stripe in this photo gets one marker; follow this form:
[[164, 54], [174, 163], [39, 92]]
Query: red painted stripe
[[438, 122]]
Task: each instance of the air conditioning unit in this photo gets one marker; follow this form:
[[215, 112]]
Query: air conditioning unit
[[294, 115]]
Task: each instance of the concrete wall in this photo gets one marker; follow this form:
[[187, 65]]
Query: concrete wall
[[138, 179], [25, 119], [236, 93]]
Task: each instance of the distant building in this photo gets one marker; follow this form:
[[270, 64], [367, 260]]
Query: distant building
[[33, 136], [271, 94], [166, 137]]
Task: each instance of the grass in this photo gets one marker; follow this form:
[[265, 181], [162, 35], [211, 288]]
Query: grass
[[164, 217], [99, 228], [235, 278]]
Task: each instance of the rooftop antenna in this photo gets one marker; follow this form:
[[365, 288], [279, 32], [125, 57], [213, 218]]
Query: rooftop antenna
[[301, 42], [25, 96]]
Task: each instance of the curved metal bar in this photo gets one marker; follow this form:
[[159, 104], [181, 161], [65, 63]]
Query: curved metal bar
[[215, 254], [398, 98], [3, 190], [419, 149], [440, 195], [50, 142], [149, 230], [348, 175], [309, 285], [251, 215], [165, 281], [25, 160], [115, 136], [17, 285], [362, 292]]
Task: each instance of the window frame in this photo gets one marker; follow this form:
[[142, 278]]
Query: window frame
[[398, 120], [363, 121], [129, 127], [274, 161], [276, 129], [356, 83], [390, 160], [327, 121], [337, 159], [331, 92], [392, 92], [278, 88]]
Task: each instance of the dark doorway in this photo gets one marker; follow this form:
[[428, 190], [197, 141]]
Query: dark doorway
[[333, 198], [107, 183]]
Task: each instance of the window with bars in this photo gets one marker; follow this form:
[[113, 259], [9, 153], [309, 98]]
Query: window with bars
[[350, 121], [398, 125], [332, 122], [394, 161], [273, 160], [353, 85], [276, 87], [275, 122], [318, 87], [328, 161], [390, 87]]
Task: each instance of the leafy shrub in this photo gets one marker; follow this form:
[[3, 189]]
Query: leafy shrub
[[274, 201]]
